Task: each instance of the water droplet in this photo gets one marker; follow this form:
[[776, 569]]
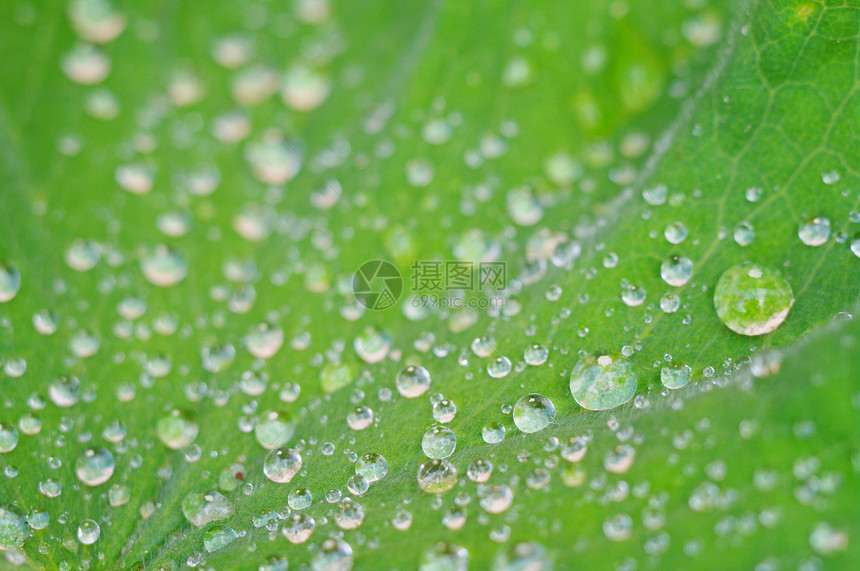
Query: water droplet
[[83, 255], [677, 270], [574, 449], [499, 367], [177, 430], [753, 194], [218, 537], [13, 531], [136, 178], [200, 509], [524, 556], [751, 299], [10, 281], [215, 358], [632, 295], [675, 233], [86, 65], [413, 381], [300, 498], [444, 411], [495, 498], [95, 20], [89, 532], [436, 476], [855, 246], [8, 437], [373, 467], [304, 88], [483, 346], [445, 557], [264, 340], [655, 196], [360, 418], [480, 470], [349, 513], [372, 345], [298, 528], [603, 383], [535, 355], [675, 376], [670, 302], [815, 232], [274, 429], [438, 442], [827, 540], [333, 554], [533, 413], [95, 466], [164, 266], [493, 433], [618, 527], [743, 234], [282, 464], [402, 520]]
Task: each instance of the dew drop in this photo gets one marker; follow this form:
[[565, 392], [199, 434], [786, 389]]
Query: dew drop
[[8, 437], [493, 433], [533, 413], [499, 367], [89, 532], [373, 467], [675, 233], [535, 355], [281, 465], [815, 232], [164, 266], [413, 381], [603, 383], [95, 466], [751, 299], [743, 234], [177, 430], [675, 376], [274, 429], [436, 476], [13, 531], [10, 281], [438, 442]]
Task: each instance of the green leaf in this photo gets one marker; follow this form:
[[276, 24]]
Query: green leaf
[[188, 194]]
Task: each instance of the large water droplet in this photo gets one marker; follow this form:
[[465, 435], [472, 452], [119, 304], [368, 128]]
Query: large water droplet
[[8, 437], [675, 376], [95, 466], [274, 429], [814, 232], [677, 270], [603, 383], [177, 430], [438, 442], [282, 465], [13, 530], [10, 281], [752, 299], [200, 508], [413, 381], [372, 467], [533, 413], [89, 532], [437, 476], [164, 266]]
